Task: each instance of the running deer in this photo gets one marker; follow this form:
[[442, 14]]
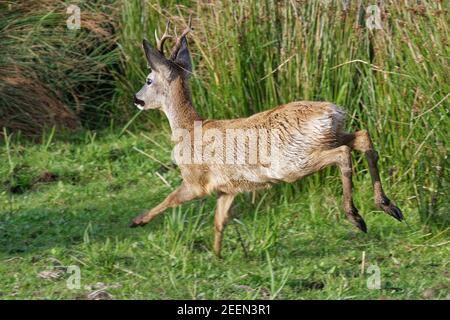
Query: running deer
[[310, 136]]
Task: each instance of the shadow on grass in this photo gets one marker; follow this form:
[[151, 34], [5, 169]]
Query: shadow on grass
[[35, 230], [32, 230]]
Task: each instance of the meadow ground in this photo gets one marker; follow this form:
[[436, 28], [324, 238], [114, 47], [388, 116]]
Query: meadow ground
[[66, 200], [69, 203]]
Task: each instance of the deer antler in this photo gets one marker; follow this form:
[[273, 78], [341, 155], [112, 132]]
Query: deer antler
[[165, 36], [180, 39]]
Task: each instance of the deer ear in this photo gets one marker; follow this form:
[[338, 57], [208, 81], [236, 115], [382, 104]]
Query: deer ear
[[183, 57], [155, 59]]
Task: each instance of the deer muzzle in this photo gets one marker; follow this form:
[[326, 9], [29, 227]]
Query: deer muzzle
[[139, 103]]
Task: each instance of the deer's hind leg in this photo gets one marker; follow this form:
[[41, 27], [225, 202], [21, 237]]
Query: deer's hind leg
[[361, 141], [342, 157]]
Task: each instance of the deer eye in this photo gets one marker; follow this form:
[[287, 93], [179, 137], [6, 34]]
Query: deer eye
[[149, 81]]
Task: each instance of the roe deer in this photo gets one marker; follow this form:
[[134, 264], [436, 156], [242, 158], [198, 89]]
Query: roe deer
[[310, 136]]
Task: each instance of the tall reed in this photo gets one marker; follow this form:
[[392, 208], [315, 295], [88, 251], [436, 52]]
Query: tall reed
[[252, 55]]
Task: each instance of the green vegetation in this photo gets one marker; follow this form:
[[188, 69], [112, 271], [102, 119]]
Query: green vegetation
[[81, 217], [67, 198]]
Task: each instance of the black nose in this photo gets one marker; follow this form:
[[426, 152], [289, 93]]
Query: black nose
[[139, 102]]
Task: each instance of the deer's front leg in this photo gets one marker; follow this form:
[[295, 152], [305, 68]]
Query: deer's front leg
[[182, 194], [224, 202]]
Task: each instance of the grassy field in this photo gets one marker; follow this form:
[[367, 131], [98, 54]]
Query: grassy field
[[67, 197], [79, 196]]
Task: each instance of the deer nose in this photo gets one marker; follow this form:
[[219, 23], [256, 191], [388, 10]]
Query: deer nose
[[138, 102]]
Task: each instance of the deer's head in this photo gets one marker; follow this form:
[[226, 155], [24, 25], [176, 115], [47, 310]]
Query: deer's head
[[157, 90]]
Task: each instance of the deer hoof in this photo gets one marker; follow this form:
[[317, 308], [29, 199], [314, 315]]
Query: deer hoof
[[134, 225], [362, 226], [138, 222], [386, 205], [356, 219], [393, 211]]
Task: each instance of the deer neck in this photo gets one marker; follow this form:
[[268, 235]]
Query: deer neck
[[179, 110]]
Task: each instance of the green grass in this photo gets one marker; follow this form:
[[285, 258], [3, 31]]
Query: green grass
[[281, 246], [258, 54], [68, 198]]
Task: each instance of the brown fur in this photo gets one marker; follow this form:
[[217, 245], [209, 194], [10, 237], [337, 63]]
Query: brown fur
[[312, 137]]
